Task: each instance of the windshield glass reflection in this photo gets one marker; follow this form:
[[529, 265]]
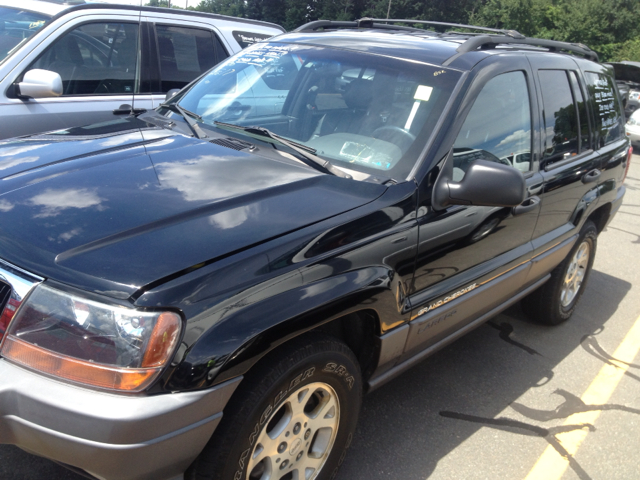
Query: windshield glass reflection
[[16, 27], [360, 111]]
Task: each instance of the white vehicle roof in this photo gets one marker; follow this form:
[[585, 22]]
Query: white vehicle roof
[[52, 8]]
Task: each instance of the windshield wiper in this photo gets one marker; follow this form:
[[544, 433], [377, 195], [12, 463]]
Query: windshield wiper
[[307, 153], [186, 114]]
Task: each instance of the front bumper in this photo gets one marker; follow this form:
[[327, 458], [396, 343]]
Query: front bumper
[[109, 436]]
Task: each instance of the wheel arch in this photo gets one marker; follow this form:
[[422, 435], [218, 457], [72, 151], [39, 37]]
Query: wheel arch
[[358, 328], [600, 216]]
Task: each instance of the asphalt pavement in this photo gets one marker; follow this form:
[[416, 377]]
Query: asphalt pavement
[[512, 399]]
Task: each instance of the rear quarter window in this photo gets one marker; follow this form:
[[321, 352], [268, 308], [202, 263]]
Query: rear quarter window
[[606, 108]]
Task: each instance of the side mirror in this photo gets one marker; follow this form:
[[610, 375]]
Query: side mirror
[[40, 84], [485, 183], [171, 93]]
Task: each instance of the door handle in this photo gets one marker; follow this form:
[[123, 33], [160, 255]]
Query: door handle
[[592, 176], [125, 108], [535, 189], [529, 204]]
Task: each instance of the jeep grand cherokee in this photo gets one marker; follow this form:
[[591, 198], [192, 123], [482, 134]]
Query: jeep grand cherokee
[[206, 290]]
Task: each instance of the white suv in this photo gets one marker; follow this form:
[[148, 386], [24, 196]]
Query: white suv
[[69, 65]]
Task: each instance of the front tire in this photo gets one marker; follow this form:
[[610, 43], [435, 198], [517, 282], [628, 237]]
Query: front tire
[[292, 417], [555, 301]]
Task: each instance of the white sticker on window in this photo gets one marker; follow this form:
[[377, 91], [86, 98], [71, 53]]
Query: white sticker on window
[[423, 93]]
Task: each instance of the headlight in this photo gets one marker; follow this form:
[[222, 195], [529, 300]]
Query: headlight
[[632, 121], [90, 342]]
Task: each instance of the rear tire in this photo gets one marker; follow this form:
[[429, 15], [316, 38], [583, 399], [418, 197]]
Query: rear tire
[[296, 411], [555, 301]]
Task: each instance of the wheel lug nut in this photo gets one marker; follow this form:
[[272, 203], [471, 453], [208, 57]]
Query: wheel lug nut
[[284, 464], [299, 456], [286, 434], [282, 447], [307, 433], [296, 428]]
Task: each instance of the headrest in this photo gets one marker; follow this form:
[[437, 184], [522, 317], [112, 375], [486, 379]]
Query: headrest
[[358, 94]]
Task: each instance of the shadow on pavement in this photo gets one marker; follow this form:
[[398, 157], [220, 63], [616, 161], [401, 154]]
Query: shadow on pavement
[[411, 423]]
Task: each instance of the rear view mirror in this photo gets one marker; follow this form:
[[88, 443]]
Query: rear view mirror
[[40, 84], [485, 183]]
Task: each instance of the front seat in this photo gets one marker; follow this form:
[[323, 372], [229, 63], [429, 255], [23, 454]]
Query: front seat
[[357, 97]]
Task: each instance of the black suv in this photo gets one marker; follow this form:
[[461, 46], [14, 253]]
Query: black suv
[[207, 290]]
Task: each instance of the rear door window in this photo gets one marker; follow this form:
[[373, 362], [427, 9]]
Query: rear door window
[[184, 54], [561, 123], [583, 118]]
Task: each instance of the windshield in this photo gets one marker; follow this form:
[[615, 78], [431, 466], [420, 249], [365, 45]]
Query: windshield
[[362, 112], [16, 27]]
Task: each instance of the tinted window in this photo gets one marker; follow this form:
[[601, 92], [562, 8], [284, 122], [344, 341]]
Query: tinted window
[[498, 127], [221, 52], [604, 100], [94, 59], [245, 39], [185, 53], [585, 142], [560, 117]]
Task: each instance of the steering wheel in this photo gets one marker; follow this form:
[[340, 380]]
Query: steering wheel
[[396, 135]]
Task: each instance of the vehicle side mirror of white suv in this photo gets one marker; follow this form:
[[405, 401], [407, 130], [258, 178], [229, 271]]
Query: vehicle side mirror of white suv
[[40, 84], [170, 94]]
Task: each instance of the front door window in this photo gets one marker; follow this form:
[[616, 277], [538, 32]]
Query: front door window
[[498, 127], [95, 59]]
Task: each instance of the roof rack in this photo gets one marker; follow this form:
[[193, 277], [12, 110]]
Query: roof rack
[[320, 25], [368, 23], [476, 42], [385, 24], [491, 41]]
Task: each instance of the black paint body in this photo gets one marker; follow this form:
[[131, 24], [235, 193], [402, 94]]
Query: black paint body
[[254, 249]]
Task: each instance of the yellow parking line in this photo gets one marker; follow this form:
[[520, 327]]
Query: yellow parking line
[[551, 465]]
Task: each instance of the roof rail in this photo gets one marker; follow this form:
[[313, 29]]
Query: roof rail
[[500, 37], [385, 24], [319, 25], [368, 22], [491, 41]]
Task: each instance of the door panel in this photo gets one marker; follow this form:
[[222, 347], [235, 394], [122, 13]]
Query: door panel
[[466, 248], [437, 324], [42, 115], [570, 164], [97, 62]]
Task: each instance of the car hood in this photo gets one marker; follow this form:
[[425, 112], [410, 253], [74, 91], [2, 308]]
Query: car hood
[[114, 207]]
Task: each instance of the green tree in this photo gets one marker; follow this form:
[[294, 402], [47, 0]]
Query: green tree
[[528, 17], [298, 13], [233, 8], [274, 11]]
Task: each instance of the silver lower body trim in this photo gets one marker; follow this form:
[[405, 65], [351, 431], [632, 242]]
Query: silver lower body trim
[[109, 436]]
